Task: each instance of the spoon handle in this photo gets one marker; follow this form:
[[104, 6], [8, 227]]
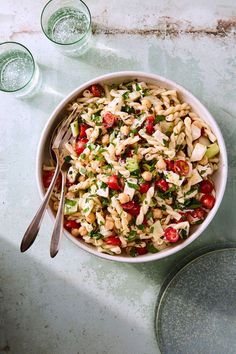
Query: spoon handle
[[58, 226], [33, 229]]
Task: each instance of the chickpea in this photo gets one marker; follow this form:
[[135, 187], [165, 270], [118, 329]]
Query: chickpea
[[70, 195], [89, 132], [125, 130], [91, 218], [157, 213], [147, 176], [109, 224], [55, 205], [161, 165], [83, 231], [204, 161], [129, 217], [105, 139], [75, 232], [146, 103], [124, 198]]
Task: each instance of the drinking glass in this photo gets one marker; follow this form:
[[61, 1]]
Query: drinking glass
[[67, 23], [19, 74]]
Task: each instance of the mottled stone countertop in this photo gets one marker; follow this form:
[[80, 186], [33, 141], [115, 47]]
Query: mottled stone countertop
[[77, 303]]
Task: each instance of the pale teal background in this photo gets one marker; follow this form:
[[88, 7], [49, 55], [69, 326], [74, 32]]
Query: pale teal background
[[78, 303]]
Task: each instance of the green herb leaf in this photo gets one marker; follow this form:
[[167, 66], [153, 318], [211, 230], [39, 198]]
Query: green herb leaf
[[141, 227], [95, 235], [126, 95], [183, 234], [132, 185], [67, 159], [138, 87], [82, 156], [103, 185], [159, 119], [151, 248], [192, 203], [132, 235], [128, 109], [133, 252]]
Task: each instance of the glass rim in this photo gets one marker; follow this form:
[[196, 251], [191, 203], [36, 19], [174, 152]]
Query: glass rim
[[34, 65], [65, 44]]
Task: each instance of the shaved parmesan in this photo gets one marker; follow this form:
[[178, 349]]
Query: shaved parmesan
[[173, 177], [198, 152]]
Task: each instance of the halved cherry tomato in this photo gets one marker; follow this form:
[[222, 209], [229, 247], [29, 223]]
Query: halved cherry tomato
[[184, 217], [206, 186], [47, 178], [141, 250], [109, 120], [113, 183], [198, 213], [162, 185], [80, 145], [131, 207], [150, 129], [145, 221], [144, 187], [82, 130], [171, 235], [207, 201], [181, 167], [71, 224], [113, 240], [170, 165], [150, 124], [96, 90]]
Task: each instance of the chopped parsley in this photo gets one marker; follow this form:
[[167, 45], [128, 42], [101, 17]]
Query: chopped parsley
[[128, 109], [133, 252], [138, 87], [192, 203], [183, 234], [94, 234], [67, 159], [126, 95], [132, 235], [151, 248], [132, 185], [159, 119], [82, 156]]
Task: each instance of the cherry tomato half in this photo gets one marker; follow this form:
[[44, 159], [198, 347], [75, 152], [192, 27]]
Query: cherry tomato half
[[150, 124], [162, 185], [206, 186], [141, 250], [80, 145], [71, 224], [113, 183], [113, 240], [109, 120], [198, 213], [208, 201], [181, 167], [144, 187], [82, 130], [170, 165], [96, 90], [47, 178], [131, 207], [171, 235]]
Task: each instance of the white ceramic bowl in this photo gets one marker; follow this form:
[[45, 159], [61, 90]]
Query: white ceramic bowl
[[118, 77]]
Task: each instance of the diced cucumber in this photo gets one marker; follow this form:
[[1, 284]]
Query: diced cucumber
[[70, 206], [75, 128], [132, 163], [212, 150]]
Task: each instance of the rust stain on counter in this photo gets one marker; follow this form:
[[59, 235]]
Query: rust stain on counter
[[167, 26]]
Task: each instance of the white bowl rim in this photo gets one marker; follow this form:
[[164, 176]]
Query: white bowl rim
[[133, 74]]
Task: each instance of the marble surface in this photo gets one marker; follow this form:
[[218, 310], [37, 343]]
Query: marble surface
[[77, 303]]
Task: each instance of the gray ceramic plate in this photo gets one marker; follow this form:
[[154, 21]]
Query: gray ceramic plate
[[196, 312]]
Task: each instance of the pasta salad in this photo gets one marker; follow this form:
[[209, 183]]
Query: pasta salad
[[139, 169]]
